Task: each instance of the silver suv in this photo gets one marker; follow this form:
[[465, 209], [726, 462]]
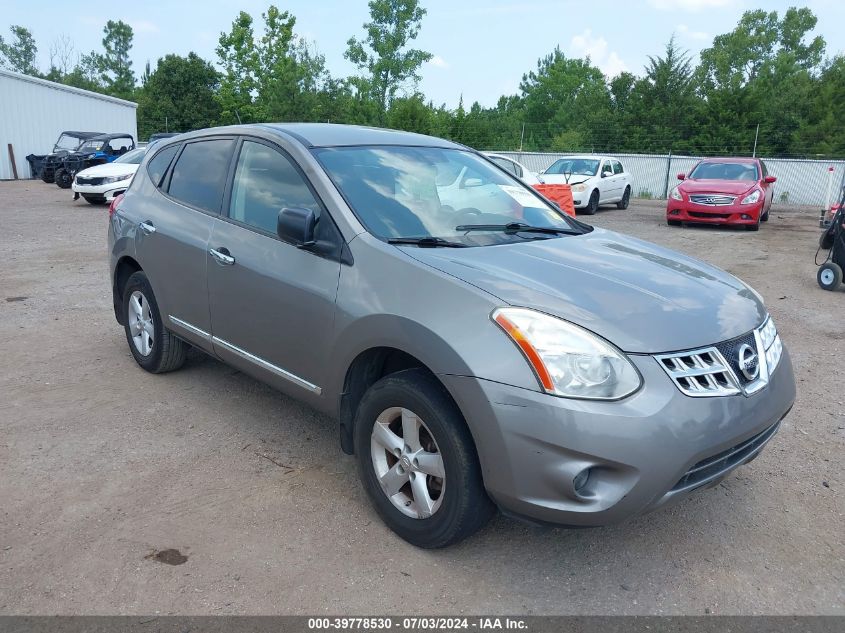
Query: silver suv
[[478, 347]]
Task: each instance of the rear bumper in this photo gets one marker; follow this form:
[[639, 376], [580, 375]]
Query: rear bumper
[[646, 451], [740, 214]]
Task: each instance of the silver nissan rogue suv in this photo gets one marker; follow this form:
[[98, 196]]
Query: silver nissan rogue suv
[[478, 347]]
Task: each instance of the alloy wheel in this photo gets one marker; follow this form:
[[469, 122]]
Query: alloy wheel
[[140, 321], [408, 463]]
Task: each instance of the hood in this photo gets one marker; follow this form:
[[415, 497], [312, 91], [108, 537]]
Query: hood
[[639, 296], [733, 187], [109, 169]]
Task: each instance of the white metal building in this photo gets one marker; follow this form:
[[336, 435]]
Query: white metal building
[[33, 112]]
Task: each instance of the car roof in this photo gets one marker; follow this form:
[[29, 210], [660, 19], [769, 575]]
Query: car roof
[[85, 135], [587, 157], [331, 135], [729, 160]]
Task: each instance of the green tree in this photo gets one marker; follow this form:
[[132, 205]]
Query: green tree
[[114, 65], [178, 96], [238, 56], [19, 53], [383, 55]]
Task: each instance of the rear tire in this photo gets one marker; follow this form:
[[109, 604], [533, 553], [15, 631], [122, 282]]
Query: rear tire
[[406, 414], [829, 276], [48, 177], [593, 204], [63, 178], [625, 201], [154, 348]]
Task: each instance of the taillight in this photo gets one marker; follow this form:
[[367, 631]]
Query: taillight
[[114, 203]]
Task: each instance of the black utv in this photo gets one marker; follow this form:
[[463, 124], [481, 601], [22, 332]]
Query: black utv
[[67, 142], [97, 150]]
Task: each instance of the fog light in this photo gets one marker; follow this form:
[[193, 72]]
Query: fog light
[[745, 216], [580, 480], [674, 212]]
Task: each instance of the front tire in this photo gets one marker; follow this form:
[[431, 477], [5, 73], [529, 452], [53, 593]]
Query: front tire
[[764, 217], [154, 348], [417, 461], [64, 179], [829, 276], [625, 201], [593, 204]]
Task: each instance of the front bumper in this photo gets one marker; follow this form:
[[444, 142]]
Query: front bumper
[[106, 193], [687, 211], [640, 450]]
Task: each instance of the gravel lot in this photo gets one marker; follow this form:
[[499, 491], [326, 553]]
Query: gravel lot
[[103, 465]]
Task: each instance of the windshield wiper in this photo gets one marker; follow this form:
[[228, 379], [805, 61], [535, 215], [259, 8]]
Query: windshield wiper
[[518, 227], [426, 242]]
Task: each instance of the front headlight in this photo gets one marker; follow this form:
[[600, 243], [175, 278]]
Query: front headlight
[[771, 344], [751, 198], [579, 188], [676, 194], [110, 179], [568, 360]]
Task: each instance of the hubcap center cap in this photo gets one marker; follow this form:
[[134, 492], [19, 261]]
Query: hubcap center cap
[[406, 462]]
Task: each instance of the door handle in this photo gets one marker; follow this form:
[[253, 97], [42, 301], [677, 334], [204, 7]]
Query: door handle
[[221, 256], [147, 227]]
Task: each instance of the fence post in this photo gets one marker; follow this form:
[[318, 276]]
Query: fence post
[[668, 169]]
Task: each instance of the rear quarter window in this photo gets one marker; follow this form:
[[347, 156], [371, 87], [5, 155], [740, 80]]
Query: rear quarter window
[[158, 164]]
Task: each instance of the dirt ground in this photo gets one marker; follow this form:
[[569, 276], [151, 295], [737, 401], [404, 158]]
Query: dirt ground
[[103, 468]]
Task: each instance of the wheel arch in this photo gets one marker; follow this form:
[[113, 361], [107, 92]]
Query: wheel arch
[[125, 268]]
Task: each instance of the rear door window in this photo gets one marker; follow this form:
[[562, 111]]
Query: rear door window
[[199, 176], [617, 167]]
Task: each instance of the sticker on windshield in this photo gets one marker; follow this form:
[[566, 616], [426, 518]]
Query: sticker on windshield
[[519, 194]]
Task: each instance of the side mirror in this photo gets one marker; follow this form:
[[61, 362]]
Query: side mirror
[[682, 176], [770, 180], [297, 226]]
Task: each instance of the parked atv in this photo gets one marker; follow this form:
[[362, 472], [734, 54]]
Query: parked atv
[[97, 150], [67, 142]]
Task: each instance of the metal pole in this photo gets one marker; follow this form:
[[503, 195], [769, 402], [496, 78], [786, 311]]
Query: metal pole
[[521, 136], [756, 136], [166, 124], [668, 169], [829, 188]]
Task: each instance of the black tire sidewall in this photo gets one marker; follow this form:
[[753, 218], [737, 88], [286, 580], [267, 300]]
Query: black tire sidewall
[[837, 276], [626, 199], [591, 206], [422, 394], [139, 281]]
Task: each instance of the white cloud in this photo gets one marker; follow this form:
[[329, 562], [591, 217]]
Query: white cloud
[[439, 62], [686, 32], [596, 48], [690, 5]]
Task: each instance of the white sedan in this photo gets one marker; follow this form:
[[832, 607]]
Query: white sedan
[[517, 169], [595, 180], [102, 183]]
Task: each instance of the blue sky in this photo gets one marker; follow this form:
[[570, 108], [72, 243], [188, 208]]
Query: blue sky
[[481, 47]]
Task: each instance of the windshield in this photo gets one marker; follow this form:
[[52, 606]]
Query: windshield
[[575, 166], [134, 157], [91, 146], [66, 141], [725, 171], [417, 192]]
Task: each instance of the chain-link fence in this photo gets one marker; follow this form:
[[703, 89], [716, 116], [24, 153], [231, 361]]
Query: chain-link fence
[[799, 182]]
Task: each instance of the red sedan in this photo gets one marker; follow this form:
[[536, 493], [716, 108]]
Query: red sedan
[[735, 191]]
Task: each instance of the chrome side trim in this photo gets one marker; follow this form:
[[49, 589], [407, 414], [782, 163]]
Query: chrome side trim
[[191, 328], [268, 366]]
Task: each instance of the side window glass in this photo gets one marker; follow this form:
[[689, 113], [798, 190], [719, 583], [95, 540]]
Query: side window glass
[[159, 163], [617, 167], [265, 183], [199, 176], [606, 168]]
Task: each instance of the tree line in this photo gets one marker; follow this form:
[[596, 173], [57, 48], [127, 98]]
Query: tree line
[[767, 84]]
